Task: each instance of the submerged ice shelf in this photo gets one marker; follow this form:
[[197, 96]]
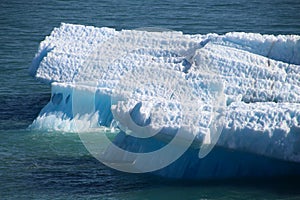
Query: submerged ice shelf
[[252, 80]]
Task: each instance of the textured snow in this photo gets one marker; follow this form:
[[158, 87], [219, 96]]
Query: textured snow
[[259, 76]]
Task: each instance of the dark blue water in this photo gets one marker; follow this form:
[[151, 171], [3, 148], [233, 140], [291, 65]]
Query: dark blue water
[[40, 165]]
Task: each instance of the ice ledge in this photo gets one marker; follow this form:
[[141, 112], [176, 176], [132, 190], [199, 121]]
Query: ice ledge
[[63, 53]]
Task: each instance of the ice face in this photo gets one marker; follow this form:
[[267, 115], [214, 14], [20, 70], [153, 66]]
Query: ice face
[[253, 79]]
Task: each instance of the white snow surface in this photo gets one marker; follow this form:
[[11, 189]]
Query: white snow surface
[[259, 76]]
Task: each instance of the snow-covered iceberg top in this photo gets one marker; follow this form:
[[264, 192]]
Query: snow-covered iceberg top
[[251, 80]]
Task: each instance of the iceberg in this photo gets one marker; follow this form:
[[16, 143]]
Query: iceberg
[[180, 106]]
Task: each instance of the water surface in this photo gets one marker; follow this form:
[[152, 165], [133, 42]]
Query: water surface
[[47, 165]]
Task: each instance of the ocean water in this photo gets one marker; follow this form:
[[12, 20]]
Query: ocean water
[[55, 165]]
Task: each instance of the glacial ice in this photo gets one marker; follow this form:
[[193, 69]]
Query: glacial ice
[[254, 79]]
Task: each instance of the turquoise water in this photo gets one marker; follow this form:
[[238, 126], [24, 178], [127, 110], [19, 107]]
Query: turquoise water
[[47, 165]]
